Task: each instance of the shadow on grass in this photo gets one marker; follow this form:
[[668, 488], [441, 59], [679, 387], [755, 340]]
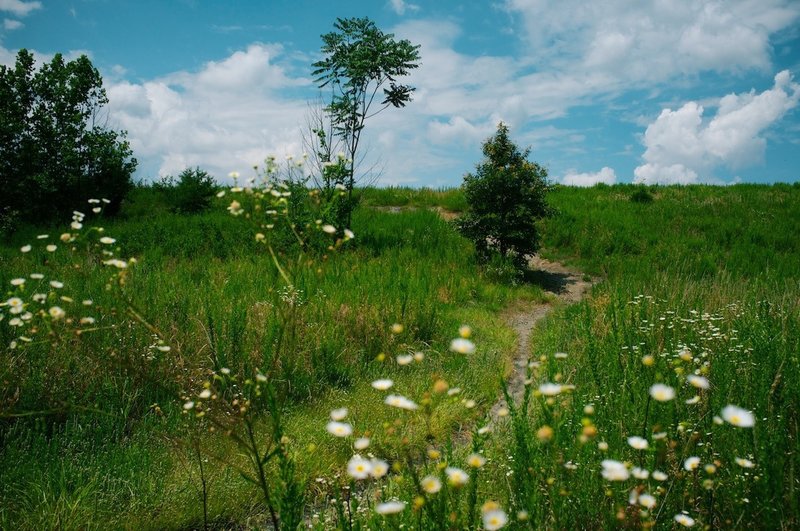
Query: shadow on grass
[[549, 281]]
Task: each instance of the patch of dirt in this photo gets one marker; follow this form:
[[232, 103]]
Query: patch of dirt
[[567, 286], [447, 215]]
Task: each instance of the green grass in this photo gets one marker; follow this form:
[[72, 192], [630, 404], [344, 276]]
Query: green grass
[[746, 230], [705, 268], [107, 457], [710, 269], [450, 199]]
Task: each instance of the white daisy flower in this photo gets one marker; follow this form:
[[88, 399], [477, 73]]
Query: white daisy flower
[[738, 416], [339, 429], [662, 393]]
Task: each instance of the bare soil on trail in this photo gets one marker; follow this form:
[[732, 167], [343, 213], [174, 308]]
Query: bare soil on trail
[[567, 286]]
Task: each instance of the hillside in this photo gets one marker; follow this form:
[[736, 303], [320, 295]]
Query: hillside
[[698, 281]]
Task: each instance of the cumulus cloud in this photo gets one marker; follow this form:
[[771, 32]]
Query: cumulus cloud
[[234, 112], [664, 174], [228, 116], [459, 130], [581, 53], [19, 7], [400, 7], [475, 88], [11, 24], [606, 176], [231, 113], [649, 42], [683, 148]]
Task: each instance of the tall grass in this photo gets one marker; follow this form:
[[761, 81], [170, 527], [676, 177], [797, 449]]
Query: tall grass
[[99, 449], [450, 199], [700, 281]]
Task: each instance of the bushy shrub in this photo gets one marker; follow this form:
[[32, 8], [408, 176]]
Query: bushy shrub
[[190, 193], [642, 195], [194, 191], [505, 198]]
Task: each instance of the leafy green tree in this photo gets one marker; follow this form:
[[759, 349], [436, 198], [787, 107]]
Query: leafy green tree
[[53, 152], [506, 196], [192, 193], [360, 60]]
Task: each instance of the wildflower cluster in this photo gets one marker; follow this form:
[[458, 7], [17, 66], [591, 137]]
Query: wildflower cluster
[[666, 461], [40, 305], [277, 201], [429, 484], [672, 448], [284, 214]]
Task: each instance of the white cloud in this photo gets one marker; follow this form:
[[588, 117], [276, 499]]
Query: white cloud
[[400, 7], [580, 53], [233, 112], [228, 116], [681, 147], [9, 57], [451, 84], [606, 175], [460, 130], [664, 174], [18, 7], [11, 24], [647, 42]]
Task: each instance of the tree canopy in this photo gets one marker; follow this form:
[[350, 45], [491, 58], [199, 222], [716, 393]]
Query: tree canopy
[[506, 196], [54, 151], [360, 60]]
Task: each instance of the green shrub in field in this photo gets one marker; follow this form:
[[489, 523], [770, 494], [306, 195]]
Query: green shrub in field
[[191, 193], [642, 195], [506, 196]]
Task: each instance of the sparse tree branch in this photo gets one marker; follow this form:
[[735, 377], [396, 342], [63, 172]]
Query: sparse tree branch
[[359, 60]]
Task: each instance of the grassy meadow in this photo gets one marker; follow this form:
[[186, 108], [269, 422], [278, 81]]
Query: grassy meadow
[[104, 445], [699, 282], [139, 415]]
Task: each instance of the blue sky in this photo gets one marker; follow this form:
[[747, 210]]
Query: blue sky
[[667, 91]]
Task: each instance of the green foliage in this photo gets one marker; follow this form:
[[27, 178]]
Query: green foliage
[[192, 193], [677, 277], [642, 195], [53, 155], [506, 196], [447, 199], [699, 231], [360, 60], [213, 291]]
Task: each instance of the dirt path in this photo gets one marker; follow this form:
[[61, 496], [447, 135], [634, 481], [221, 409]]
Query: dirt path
[[568, 286]]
